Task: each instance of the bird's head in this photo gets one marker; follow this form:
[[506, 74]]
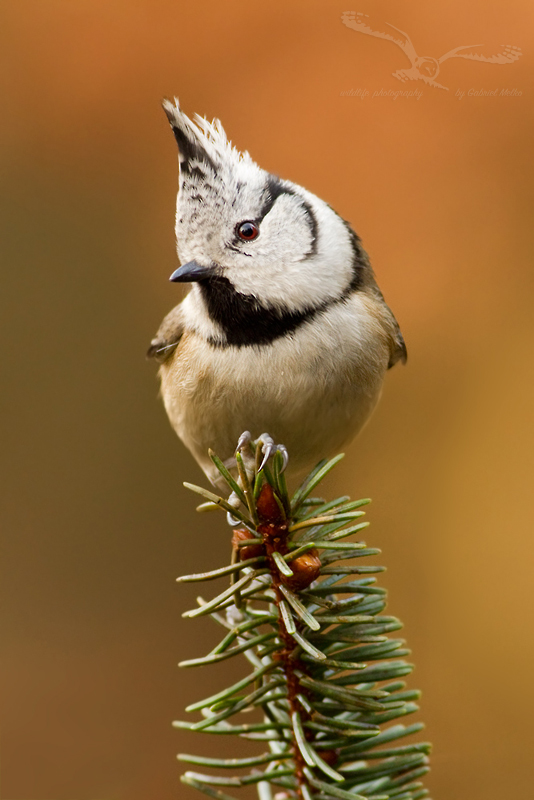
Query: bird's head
[[245, 235]]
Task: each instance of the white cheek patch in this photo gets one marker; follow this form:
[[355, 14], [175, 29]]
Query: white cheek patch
[[285, 233], [286, 267]]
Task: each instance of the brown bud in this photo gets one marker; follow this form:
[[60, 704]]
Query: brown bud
[[267, 507], [249, 551], [305, 570]]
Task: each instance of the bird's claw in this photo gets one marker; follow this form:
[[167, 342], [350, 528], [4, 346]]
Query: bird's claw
[[285, 456], [230, 519], [244, 439], [269, 449]]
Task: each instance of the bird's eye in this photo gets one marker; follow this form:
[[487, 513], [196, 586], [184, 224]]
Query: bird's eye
[[247, 231]]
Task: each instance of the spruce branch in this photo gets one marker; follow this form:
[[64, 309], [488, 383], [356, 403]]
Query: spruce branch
[[308, 617]]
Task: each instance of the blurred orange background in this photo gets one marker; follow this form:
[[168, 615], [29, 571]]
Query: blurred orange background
[[96, 524]]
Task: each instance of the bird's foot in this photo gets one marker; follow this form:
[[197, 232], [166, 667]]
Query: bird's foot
[[235, 502], [268, 448], [251, 452]]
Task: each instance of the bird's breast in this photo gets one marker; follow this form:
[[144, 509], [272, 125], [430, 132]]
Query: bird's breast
[[311, 390]]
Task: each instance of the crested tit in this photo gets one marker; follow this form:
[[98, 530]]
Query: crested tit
[[284, 329]]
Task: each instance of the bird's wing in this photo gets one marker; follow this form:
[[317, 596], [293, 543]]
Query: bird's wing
[[398, 350], [507, 53], [397, 346], [168, 336], [357, 21]]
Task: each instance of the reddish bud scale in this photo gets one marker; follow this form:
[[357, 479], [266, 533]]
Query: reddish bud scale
[[274, 537], [250, 551], [272, 526], [267, 506], [305, 570]]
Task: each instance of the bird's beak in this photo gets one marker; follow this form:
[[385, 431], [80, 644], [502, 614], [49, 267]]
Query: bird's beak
[[192, 272]]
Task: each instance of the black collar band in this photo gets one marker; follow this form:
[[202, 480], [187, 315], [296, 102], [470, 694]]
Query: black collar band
[[243, 320]]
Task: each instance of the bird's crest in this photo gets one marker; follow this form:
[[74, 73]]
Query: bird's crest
[[201, 140]]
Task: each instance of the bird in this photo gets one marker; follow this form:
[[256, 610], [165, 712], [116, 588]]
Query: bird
[[284, 328], [426, 68]]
